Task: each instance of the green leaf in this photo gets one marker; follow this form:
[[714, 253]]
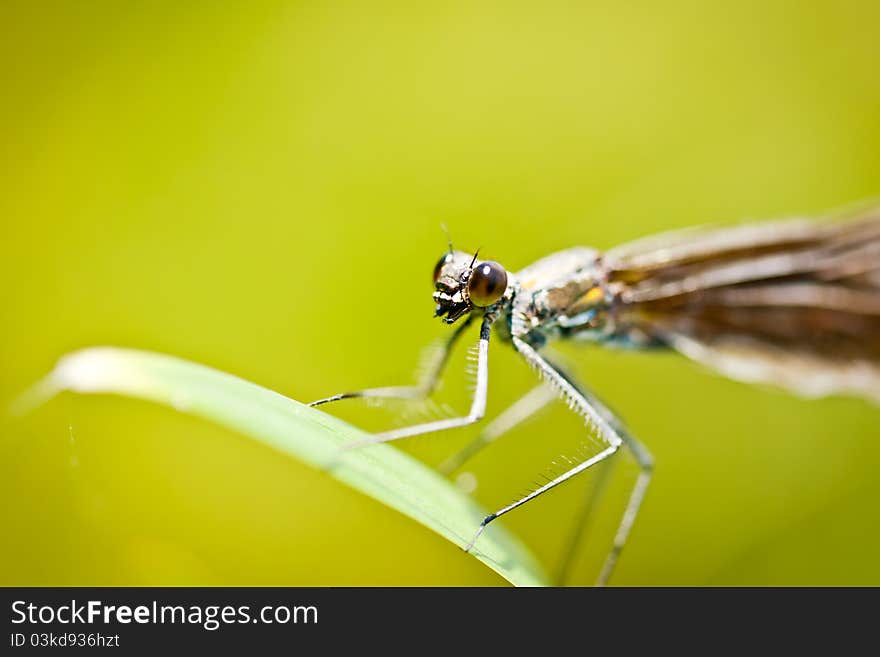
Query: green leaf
[[381, 471]]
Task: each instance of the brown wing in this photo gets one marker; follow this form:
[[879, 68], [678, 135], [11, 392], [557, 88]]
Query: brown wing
[[795, 303]]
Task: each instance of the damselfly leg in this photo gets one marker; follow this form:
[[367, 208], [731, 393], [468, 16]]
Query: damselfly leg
[[427, 384], [475, 414], [607, 430], [646, 469], [645, 462], [523, 409], [581, 523], [518, 412]]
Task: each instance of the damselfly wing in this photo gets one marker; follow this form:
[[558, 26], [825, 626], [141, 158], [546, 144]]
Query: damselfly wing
[[794, 303]]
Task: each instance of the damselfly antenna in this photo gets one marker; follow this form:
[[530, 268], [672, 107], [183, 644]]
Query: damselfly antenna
[[448, 237], [476, 253]]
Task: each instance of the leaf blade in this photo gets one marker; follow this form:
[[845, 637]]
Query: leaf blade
[[381, 471]]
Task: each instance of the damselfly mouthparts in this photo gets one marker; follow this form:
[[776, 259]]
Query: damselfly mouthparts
[[794, 303]]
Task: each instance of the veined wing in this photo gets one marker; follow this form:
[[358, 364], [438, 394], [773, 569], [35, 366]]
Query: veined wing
[[794, 303]]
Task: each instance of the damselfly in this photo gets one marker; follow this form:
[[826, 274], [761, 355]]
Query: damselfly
[[794, 303]]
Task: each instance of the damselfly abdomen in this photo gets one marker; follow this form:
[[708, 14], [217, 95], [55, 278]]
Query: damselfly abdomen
[[794, 303]]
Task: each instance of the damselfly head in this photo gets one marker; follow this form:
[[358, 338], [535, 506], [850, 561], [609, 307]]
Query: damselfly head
[[461, 283]]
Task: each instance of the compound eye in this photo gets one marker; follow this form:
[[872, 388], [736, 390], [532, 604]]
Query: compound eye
[[439, 266], [487, 284]]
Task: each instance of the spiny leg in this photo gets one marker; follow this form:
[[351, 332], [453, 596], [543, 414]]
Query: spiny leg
[[478, 404], [645, 463], [518, 412], [581, 404], [582, 521], [646, 466], [424, 388]]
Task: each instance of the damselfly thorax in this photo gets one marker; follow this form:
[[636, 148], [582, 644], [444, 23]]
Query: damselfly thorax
[[794, 303]]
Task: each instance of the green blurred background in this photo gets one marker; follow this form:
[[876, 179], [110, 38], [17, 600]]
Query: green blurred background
[[260, 188]]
